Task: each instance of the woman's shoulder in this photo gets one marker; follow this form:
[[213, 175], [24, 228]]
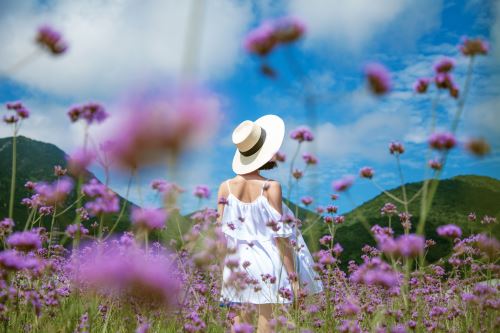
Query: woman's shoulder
[[272, 186]]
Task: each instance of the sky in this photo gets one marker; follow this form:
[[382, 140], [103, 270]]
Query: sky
[[116, 44]]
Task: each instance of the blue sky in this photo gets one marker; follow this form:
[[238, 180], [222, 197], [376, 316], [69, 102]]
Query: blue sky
[[115, 44]]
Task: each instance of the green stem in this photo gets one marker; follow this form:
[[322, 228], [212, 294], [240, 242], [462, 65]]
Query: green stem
[[13, 174], [122, 211], [292, 162]]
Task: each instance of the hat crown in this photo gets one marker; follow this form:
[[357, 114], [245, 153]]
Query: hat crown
[[246, 135]]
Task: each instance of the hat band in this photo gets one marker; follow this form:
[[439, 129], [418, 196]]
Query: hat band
[[257, 145]]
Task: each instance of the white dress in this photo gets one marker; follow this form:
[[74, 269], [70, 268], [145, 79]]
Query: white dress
[[260, 276]]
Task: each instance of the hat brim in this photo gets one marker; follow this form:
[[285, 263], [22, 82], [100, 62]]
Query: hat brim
[[275, 133]]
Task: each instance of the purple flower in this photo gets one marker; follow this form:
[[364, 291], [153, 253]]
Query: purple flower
[[435, 164], [478, 147], [337, 249], [128, 273], [328, 219], [223, 201], [339, 219], [261, 40], [366, 172], [376, 272], [444, 65], [202, 192], [243, 328], [389, 209], [72, 230], [167, 189], [472, 216], [310, 159], [444, 81], [306, 200], [143, 328], [421, 85], [378, 78], [149, 218], [79, 161], [10, 119], [52, 40], [280, 157], [11, 260], [396, 148], [90, 112], [449, 230], [56, 192], [349, 308], [325, 240], [473, 47], [442, 141], [301, 134], [156, 123], [17, 105], [343, 184], [332, 209], [288, 29], [105, 200], [408, 246], [6, 226], [297, 174], [25, 241]]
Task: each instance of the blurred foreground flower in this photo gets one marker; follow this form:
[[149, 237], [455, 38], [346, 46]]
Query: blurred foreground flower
[[127, 273], [25, 241], [148, 219], [396, 148], [478, 146], [442, 141], [449, 230], [378, 77], [263, 39], [90, 112], [421, 85], [79, 161], [202, 192], [301, 134], [51, 40], [158, 124], [472, 47], [56, 192], [18, 107], [343, 184], [366, 172]]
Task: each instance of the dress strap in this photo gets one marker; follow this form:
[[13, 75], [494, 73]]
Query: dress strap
[[263, 186], [227, 183]]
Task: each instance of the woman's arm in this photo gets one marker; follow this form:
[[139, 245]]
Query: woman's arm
[[222, 193], [286, 250]]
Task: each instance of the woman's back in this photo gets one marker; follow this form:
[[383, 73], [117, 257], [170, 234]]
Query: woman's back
[[249, 214]]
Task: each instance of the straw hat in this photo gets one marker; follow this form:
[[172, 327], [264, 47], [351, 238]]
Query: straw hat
[[257, 142]]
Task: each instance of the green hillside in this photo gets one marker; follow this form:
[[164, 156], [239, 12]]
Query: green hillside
[[35, 162], [455, 199]]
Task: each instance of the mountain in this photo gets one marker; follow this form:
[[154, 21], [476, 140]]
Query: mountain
[[455, 198], [35, 162]]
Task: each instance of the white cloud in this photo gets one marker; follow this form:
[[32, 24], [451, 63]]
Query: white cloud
[[114, 43], [355, 24]]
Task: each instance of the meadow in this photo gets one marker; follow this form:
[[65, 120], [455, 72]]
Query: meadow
[[84, 276]]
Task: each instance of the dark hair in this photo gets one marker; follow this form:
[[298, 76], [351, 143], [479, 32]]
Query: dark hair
[[269, 165]]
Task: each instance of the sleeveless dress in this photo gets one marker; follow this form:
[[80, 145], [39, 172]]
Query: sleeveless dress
[[255, 273]]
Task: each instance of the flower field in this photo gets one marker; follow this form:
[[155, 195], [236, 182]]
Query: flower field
[[84, 276]]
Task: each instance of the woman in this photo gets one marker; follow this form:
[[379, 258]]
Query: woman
[[264, 269]]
